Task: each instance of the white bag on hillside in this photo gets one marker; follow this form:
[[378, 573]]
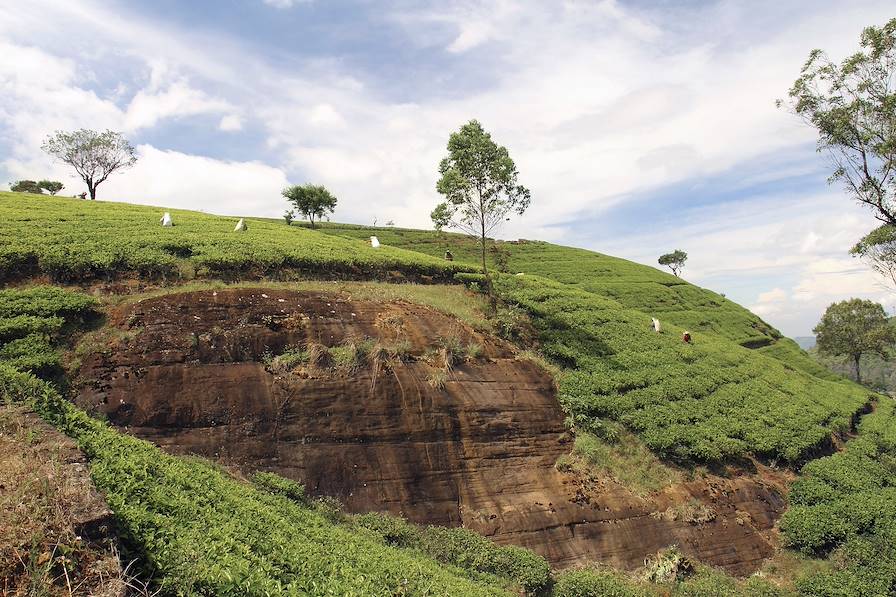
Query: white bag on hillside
[[241, 226], [166, 220], [374, 242]]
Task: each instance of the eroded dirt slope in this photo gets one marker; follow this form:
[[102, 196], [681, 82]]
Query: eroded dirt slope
[[191, 372]]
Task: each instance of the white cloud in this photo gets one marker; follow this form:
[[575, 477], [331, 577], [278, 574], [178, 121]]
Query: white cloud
[[325, 115], [176, 100], [282, 4], [234, 188], [231, 123]]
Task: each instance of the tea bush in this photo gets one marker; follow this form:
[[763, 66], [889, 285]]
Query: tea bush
[[708, 401], [77, 240], [845, 505]]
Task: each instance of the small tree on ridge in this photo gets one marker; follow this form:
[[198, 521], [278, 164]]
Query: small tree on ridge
[[674, 260], [312, 201], [94, 156], [51, 186]]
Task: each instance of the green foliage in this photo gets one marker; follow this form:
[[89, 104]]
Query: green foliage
[[632, 285], [73, 241], [51, 186], [94, 156], [674, 260], [280, 485], [706, 402], [479, 182], [31, 323], [25, 186], [588, 582], [845, 505], [851, 105], [878, 250], [853, 328], [441, 216], [462, 548], [312, 201]]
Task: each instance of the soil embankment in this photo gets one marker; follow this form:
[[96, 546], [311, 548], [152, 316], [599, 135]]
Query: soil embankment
[[192, 372]]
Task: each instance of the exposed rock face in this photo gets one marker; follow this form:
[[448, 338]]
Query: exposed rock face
[[190, 375]]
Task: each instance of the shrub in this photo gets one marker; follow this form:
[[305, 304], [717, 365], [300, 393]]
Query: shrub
[[593, 582], [280, 485]]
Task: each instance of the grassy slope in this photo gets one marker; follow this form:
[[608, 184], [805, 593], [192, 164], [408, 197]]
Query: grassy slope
[[706, 401], [73, 240]]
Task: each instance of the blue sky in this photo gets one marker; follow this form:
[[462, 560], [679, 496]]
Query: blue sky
[[639, 126]]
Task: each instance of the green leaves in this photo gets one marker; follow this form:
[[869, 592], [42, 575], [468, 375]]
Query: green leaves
[[313, 201], [479, 182], [93, 155], [852, 105], [853, 328]]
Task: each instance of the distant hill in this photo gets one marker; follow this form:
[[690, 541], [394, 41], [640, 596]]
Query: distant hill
[[805, 342]]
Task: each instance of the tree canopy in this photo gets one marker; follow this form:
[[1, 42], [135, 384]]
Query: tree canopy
[[878, 250], [312, 201], [25, 186], [441, 216], [853, 106], [94, 156], [852, 328], [480, 186], [674, 260], [51, 186]]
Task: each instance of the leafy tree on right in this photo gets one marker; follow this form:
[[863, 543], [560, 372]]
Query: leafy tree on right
[[674, 260], [853, 106], [852, 328]]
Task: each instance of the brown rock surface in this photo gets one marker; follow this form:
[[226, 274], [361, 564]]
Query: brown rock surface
[[189, 374]]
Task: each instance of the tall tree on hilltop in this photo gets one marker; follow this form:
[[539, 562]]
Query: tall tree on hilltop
[[93, 155], [674, 260], [853, 328], [853, 107], [312, 201], [479, 182]]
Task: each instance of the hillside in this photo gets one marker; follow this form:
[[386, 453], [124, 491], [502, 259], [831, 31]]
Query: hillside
[[718, 427]]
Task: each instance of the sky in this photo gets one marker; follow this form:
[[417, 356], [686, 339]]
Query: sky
[[639, 126]]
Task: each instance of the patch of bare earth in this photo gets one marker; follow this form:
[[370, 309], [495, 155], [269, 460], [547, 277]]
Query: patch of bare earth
[[54, 526]]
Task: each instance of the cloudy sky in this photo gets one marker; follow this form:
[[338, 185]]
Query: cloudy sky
[[639, 126]]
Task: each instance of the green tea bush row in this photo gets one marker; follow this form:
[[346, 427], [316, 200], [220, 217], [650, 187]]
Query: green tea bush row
[[844, 505], [463, 548], [72, 241], [708, 401]]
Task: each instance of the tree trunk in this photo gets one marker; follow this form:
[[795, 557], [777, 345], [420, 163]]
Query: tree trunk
[[857, 358], [492, 299], [92, 188]]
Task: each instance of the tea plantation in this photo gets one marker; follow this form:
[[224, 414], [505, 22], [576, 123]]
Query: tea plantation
[[73, 241], [738, 390]]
